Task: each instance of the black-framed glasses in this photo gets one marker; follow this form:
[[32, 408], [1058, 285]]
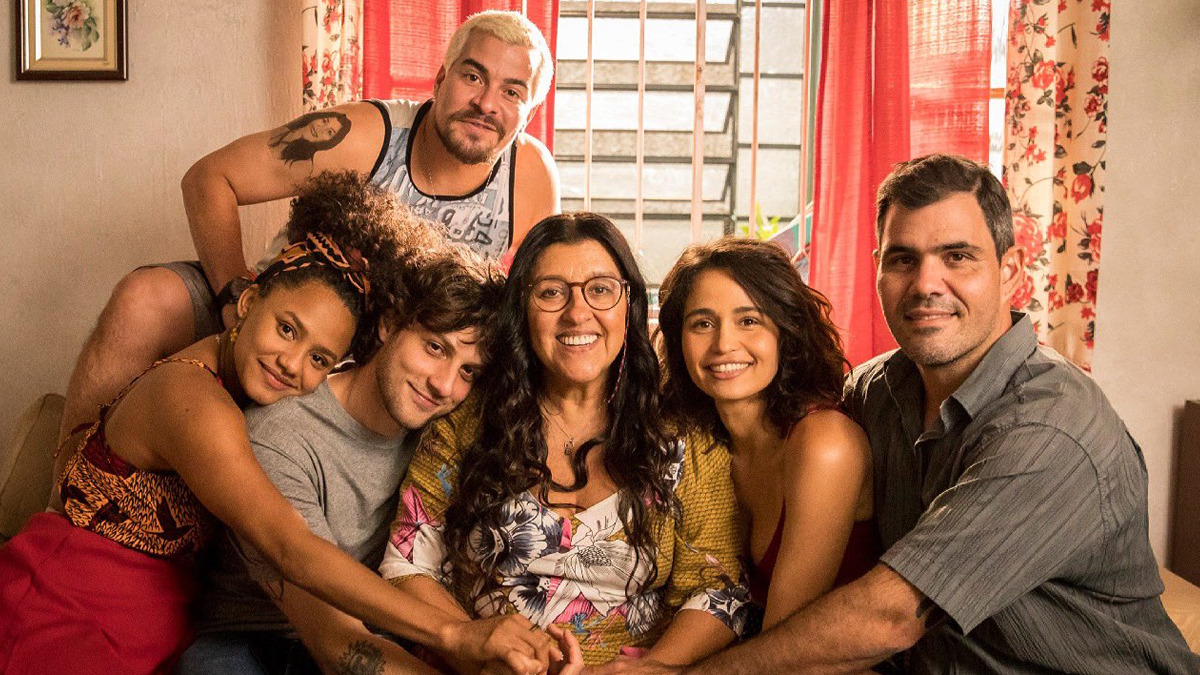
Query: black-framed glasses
[[600, 293]]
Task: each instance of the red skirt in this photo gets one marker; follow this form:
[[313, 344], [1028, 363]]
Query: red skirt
[[72, 601]]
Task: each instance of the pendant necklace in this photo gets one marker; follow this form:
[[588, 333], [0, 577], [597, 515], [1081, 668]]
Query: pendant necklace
[[569, 448], [429, 179], [428, 176]]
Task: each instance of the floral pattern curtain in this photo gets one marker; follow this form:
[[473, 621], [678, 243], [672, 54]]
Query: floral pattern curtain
[[332, 59], [1056, 119]]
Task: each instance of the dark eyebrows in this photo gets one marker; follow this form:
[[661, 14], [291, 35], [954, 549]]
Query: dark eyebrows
[[595, 274], [961, 246], [472, 63], [296, 322], [451, 349], [708, 312], [301, 330], [447, 343]]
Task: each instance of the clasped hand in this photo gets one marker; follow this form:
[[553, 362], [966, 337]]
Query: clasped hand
[[554, 651]]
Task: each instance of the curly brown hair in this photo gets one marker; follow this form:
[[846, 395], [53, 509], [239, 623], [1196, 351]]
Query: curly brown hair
[[415, 272], [444, 288], [811, 362]]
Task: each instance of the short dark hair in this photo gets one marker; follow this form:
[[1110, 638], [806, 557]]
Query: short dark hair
[[811, 362], [927, 180], [448, 289]]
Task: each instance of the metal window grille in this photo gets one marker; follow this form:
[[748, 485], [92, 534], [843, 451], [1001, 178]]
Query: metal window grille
[[676, 118]]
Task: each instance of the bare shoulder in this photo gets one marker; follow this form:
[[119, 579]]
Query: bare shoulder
[[536, 181], [829, 440], [535, 165], [171, 402], [532, 153], [183, 390]]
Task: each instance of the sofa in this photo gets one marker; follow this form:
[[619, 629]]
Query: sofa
[[27, 462]]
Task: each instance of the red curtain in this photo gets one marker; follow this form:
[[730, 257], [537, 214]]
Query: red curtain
[[898, 79], [404, 42]]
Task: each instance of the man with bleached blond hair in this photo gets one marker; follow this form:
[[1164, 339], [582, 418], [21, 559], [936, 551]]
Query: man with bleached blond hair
[[460, 159]]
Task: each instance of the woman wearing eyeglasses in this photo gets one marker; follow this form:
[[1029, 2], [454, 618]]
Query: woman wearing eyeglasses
[[559, 494]]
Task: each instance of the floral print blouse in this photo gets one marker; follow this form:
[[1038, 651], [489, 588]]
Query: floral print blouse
[[573, 571]]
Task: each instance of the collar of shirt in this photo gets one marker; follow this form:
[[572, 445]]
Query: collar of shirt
[[994, 373], [985, 384]]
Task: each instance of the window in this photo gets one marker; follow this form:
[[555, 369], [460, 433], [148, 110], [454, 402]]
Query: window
[[604, 176]]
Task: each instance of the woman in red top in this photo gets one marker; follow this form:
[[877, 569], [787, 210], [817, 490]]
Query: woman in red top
[[752, 357]]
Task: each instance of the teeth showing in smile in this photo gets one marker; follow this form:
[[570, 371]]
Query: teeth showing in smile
[[729, 367], [578, 340]]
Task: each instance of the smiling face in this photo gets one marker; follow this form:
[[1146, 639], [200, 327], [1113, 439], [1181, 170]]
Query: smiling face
[[944, 292], [577, 343], [483, 100], [290, 339], [422, 374], [730, 347]]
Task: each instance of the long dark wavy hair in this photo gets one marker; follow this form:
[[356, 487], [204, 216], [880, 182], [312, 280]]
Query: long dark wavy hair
[[509, 456], [811, 362]]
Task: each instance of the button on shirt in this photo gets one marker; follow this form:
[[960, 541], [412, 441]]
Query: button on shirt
[[1021, 513]]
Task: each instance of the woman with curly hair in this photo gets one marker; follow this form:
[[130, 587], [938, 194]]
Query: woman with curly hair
[[752, 357], [558, 493], [102, 582]]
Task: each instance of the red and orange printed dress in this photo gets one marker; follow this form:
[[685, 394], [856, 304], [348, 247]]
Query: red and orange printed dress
[[105, 586]]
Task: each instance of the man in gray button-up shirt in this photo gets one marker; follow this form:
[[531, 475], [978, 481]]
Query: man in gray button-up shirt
[[1010, 497]]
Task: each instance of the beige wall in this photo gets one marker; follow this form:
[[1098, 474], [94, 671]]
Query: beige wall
[[89, 181], [1148, 336]]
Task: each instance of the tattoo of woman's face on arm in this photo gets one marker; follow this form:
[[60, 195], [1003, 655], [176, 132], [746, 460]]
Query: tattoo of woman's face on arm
[[361, 658], [305, 136]]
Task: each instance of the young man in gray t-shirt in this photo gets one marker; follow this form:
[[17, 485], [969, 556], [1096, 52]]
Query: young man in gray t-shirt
[[339, 455]]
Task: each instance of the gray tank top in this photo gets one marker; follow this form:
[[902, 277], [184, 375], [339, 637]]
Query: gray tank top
[[482, 219]]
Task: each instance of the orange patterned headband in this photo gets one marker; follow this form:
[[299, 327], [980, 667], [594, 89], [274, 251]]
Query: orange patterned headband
[[318, 249]]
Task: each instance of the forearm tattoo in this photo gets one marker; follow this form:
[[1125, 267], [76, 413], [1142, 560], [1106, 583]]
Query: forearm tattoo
[[361, 658], [302, 138]]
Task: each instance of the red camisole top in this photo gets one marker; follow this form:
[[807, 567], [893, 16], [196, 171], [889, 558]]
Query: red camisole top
[[862, 552]]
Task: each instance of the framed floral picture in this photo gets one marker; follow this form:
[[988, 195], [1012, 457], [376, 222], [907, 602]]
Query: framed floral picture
[[71, 40]]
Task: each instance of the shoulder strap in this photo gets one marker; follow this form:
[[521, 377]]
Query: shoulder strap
[[175, 359]]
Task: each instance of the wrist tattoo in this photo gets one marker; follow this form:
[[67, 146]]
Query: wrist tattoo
[[308, 134], [361, 658]]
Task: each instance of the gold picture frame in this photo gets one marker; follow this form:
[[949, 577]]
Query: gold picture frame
[[71, 40]]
